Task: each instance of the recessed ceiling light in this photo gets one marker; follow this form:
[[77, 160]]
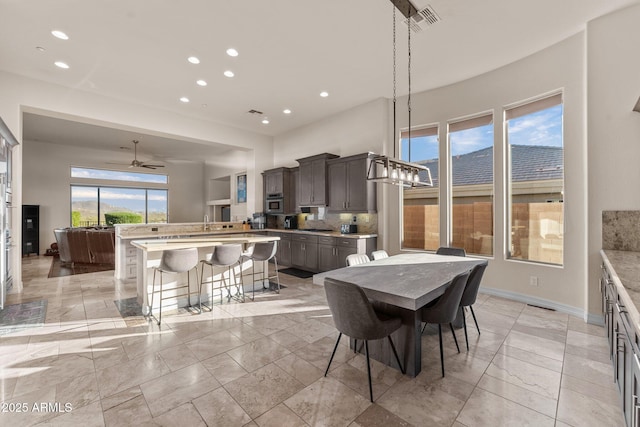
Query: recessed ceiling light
[[193, 60], [265, 121], [232, 52], [184, 99], [286, 111], [201, 83], [204, 105], [324, 94], [60, 34], [229, 73], [40, 48], [61, 64]]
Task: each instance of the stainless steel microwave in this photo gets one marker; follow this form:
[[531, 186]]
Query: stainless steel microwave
[[274, 206]]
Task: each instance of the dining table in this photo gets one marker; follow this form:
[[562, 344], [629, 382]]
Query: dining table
[[400, 286]]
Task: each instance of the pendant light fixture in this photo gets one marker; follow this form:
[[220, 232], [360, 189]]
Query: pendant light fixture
[[390, 170]]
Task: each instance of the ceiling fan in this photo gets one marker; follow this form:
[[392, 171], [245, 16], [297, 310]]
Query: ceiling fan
[[135, 163]]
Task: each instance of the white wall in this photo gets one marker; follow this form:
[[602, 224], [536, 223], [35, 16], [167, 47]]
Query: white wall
[[232, 164], [613, 86], [46, 182]]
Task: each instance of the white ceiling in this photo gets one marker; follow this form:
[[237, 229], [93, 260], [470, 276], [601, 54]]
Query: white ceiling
[[290, 51]]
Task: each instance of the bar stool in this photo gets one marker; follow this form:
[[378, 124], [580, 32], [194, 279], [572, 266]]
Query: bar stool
[[224, 256], [263, 252], [174, 261]]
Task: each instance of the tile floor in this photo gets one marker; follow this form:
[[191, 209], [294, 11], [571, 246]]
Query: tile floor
[[261, 363]]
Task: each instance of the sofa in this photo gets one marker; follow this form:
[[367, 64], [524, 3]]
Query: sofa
[[88, 245]]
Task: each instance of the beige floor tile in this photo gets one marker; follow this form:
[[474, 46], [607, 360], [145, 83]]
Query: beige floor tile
[[121, 397], [214, 344], [592, 342], [319, 352], [299, 369], [183, 415], [135, 372], [218, 408], [534, 359], [123, 414], [536, 345], [536, 379], [537, 402], [608, 395], [327, 402], [589, 370], [288, 340], [174, 389], [269, 324], [425, 404], [376, 416], [86, 416], [280, 416], [311, 330], [50, 371], [579, 410], [263, 389], [379, 371], [257, 353], [224, 368], [487, 409], [579, 325], [178, 357]]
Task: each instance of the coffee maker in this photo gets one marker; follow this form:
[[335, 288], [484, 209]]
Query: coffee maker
[[291, 222], [259, 221]]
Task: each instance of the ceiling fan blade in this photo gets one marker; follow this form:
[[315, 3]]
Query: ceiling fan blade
[[152, 166]]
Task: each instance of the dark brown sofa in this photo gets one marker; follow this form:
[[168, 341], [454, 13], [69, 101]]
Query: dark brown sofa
[[86, 245]]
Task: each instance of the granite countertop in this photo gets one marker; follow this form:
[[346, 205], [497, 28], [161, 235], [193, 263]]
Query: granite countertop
[[325, 233], [624, 267], [155, 245]]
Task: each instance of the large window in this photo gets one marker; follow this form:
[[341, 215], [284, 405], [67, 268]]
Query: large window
[[125, 198], [471, 162], [536, 185], [421, 213]]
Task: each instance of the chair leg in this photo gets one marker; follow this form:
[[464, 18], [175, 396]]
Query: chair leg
[[253, 280], [395, 353], [275, 263], [423, 328], [333, 354], [241, 287], [454, 336], [153, 291], [441, 353], [464, 324], [355, 345], [160, 312], [366, 350], [474, 319]]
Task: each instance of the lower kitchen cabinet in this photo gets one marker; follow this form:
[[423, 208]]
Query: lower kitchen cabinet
[[624, 352], [283, 252], [304, 252]]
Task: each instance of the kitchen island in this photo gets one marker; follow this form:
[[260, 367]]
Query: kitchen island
[[149, 252]]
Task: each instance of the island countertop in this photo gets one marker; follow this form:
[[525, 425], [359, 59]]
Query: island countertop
[[156, 245]]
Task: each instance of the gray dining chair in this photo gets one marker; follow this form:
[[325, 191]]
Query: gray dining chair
[[449, 250], [444, 310], [174, 261], [354, 316], [355, 259], [263, 252], [469, 297], [229, 256], [380, 254]]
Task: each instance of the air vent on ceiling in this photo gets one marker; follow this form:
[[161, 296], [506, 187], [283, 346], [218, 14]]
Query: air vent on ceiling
[[255, 112], [423, 19]]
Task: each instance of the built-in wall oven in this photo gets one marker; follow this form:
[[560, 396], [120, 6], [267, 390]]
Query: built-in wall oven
[[274, 204]]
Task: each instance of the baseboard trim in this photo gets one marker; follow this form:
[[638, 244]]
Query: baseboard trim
[[541, 302], [594, 319]]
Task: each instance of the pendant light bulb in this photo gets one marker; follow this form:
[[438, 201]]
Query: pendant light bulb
[[394, 173]]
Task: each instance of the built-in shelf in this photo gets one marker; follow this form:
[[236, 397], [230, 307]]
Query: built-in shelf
[[219, 202]]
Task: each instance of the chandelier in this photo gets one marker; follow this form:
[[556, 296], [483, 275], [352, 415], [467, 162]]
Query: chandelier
[[390, 170]]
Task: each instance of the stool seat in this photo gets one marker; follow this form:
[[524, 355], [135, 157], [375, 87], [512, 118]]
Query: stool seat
[[174, 261], [229, 256], [263, 252]]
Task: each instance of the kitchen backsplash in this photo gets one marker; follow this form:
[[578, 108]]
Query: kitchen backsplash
[[367, 223], [621, 230]]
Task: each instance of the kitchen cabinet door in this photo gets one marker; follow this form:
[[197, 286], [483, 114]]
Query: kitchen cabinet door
[[273, 182], [357, 195], [327, 257], [338, 184], [634, 405], [284, 252], [297, 254], [305, 180]]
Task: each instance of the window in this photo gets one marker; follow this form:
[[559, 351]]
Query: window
[[421, 212], [536, 184], [471, 162], [97, 204]]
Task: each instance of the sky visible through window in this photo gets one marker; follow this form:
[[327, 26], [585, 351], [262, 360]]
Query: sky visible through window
[[118, 175], [542, 128]]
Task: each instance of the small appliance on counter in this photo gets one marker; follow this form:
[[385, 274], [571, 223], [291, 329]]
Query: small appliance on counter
[[348, 228], [259, 221], [291, 222]]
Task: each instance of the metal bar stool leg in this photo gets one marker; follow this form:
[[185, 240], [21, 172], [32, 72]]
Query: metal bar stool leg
[[454, 336], [464, 324], [366, 349], [333, 354]]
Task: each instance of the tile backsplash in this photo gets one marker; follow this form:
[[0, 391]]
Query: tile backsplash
[[367, 222], [621, 230]]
